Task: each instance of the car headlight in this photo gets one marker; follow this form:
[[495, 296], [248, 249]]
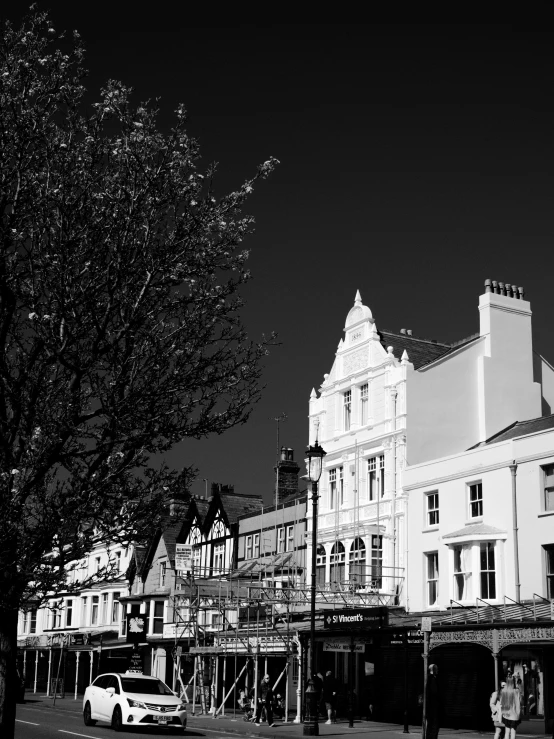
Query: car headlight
[[182, 707], [136, 704]]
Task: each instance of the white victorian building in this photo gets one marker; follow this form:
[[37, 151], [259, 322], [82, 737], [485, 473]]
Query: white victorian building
[[394, 398]]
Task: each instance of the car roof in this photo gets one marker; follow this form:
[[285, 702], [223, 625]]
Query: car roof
[[131, 674]]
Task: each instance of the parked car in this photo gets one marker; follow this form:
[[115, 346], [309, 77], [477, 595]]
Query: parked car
[[131, 699]]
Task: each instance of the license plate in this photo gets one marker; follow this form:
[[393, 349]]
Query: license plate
[[161, 719]]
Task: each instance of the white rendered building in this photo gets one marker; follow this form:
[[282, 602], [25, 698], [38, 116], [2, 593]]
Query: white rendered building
[[392, 399]]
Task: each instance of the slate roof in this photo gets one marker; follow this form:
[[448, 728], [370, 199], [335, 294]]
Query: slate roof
[[475, 529], [420, 351], [236, 505], [519, 428]]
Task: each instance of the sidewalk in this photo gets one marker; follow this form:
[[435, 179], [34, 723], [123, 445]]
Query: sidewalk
[[236, 725]]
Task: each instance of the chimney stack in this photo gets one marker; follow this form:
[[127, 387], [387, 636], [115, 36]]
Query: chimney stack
[[286, 475]]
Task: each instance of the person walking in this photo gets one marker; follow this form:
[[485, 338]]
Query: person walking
[[433, 704], [330, 690], [265, 701], [496, 712], [511, 708]]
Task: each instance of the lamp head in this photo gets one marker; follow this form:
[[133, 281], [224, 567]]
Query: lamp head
[[315, 456]]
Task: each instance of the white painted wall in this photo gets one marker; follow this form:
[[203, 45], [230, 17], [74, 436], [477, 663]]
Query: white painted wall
[[450, 476]]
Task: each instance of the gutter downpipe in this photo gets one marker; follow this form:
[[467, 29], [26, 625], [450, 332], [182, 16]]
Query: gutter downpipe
[[513, 470], [394, 394]]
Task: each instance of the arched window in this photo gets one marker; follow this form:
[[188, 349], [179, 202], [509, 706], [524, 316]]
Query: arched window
[[218, 529], [196, 540], [337, 561], [358, 562], [321, 560]]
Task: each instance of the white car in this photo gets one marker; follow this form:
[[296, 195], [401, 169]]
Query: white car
[[131, 699]]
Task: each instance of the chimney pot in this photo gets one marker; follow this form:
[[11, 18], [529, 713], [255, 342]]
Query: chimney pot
[[495, 287], [502, 288], [488, 286], [521, 293], [402, 330], [409, 331]]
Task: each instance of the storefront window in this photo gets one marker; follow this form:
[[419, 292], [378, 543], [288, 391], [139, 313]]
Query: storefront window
[[526, 667]]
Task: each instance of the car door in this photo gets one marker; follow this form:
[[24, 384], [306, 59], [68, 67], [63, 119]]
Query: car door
[[111, 698], [104, 701], [96, 693]]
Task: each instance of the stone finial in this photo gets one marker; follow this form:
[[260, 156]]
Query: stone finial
[[390, 350], [405, 358], [358, 298], [313, 394]]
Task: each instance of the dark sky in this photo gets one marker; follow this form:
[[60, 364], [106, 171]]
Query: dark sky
[[416, 161]]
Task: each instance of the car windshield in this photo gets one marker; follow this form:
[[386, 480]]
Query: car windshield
[[140, 685]]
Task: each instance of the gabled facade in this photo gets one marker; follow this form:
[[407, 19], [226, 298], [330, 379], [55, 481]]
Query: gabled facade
[[393, 398]]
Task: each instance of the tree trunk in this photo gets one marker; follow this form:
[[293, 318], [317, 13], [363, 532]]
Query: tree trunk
[[8, 674]]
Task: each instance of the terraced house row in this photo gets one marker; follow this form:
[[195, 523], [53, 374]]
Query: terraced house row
[[436, 500]]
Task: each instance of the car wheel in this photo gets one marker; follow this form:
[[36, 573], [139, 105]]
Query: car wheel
[[117, 720], [87, 716]]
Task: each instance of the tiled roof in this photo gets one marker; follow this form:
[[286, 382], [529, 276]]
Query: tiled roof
[[520, 428], [420, 351], [475, 529], [236, 505]]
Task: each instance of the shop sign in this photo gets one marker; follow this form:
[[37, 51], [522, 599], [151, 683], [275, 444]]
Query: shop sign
[[135, 663], [356, 618], [342, 645], [204, 650], [426, 624], [136, 628], [177, 631], [183, 557], [403, 637], [252, 644]]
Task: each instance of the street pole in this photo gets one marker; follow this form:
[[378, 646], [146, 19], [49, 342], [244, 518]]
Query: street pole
[[351, 681], [425, 677], [311, 719], [406, 665]]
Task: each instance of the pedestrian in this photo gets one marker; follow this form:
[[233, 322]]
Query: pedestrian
[[433, 704], [496, 712], [330, 690], [511, 708], [265, 700]]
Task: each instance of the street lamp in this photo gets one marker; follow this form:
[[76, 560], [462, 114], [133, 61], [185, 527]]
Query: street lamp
[[315, 456]]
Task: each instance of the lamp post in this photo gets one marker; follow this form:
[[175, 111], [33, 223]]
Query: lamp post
[[315, 456]]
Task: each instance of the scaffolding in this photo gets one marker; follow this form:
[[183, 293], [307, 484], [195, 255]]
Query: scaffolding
[[229, 624]]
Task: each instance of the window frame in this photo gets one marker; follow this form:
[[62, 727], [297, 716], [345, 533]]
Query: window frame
[[477, 502], [431, 578], [116, 607], [256, 545], [487, 575], [432, 515], [94, 610], [364, 404], [547, 490], [218, 559], [466, 573], [376, 477], [163, 573], [548, 550], [347, 410], [157, 620], [249, 546], [290, 539], [69, 612], [281, 540]]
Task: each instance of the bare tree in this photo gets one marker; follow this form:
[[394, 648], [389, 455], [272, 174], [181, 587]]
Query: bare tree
[[120, 331]]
